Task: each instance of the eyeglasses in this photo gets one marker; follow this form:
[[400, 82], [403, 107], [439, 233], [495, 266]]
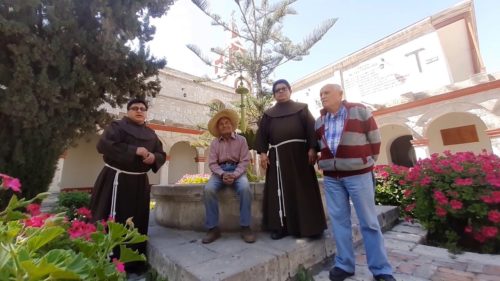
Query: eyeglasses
[[277, 90], [138, 108]]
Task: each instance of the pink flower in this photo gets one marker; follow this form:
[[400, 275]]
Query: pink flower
[[9, 182], [36, 221], [463, 182], [408, 219], [384, 174], [120, 266], [440, 212], [479, 237], [495, 195], [84, 212], [489, 231], [455, 204], [468, 229], [494, 216], [402, 182], [33, 209], [81, 229], [440, 197], [494, 181], [456, 167], [407, 193], [410, 207], [487, 199], [425, 181]]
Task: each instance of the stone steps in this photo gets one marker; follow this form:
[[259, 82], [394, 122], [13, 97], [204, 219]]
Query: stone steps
[[179, 255]]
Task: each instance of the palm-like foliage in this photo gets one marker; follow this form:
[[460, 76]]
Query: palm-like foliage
[[266, 48]]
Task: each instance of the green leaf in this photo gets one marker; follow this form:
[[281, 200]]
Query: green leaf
[[129, 255], [43, 236], [58, 264]]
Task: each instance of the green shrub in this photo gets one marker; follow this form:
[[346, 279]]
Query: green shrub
[[389, 184], [39, 246], [69, 202], [252, 177]]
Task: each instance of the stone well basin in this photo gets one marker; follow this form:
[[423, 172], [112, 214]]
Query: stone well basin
[[181, 206]]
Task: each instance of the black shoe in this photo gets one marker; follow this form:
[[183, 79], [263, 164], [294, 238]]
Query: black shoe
[[276, 235], [338, 274], [384, 277]]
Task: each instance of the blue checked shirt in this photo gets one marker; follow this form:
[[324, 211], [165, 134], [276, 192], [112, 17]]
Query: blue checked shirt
[[334, 125]]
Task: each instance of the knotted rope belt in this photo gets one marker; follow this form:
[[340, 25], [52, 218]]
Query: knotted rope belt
[[112, 211], [281, 195]]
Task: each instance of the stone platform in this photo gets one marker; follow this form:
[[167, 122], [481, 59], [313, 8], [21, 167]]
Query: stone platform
[[180, 255]]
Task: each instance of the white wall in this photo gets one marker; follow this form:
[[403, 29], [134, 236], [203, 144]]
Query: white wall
[[457, 49], [181, 161], [388, 134], [82, 164], [452, 120]]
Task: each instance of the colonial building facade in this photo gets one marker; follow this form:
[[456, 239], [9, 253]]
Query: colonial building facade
[[427, 86], [177, 114]]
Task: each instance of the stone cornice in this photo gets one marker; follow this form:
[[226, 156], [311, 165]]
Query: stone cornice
[[192, 78], [460, 11]]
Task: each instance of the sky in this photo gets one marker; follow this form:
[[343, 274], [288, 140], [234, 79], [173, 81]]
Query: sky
[[360, 23]]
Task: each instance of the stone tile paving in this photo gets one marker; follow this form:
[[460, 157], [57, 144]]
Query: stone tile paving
[[415, 262]]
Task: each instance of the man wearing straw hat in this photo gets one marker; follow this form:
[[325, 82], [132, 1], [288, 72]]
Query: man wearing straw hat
[[228, 161]]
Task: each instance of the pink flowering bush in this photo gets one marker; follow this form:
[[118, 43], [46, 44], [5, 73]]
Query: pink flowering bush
[[41, 246], [389, 184], [457, 198]]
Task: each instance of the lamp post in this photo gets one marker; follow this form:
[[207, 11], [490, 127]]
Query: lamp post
[[242, 91]]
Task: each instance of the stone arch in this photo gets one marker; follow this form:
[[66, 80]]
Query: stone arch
[[182, 161], [457, 131], [434, 112], [82, 164], [402, 152], [389, 133]]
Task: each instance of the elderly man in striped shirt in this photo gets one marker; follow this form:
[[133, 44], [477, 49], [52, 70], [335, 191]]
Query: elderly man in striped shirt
[[349, 142]]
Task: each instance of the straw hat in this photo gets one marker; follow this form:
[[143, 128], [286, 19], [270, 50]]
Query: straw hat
[[228, 113]]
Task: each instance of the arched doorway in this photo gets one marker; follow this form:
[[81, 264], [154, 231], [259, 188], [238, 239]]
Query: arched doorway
[[182, 162], [402, 151]]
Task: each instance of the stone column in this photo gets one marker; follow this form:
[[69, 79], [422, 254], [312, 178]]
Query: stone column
[[421, 148], [55, 185], [495, 140], [201, 163], [164, 172]]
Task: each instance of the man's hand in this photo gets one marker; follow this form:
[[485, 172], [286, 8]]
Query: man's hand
[[264, 160], [312, 155], [142, 151], [150, 159], [228, 178]]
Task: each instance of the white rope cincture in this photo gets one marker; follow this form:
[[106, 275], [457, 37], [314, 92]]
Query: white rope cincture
[[112, 211], [281, 195]]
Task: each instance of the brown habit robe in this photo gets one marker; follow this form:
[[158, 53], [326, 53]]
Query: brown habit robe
[[304, 214], [118, 145]]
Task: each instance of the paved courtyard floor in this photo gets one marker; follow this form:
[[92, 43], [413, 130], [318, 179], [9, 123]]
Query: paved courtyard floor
[[413, 261]]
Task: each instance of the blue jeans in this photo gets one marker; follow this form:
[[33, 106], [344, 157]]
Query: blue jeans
[[211, 201], [360, 189]]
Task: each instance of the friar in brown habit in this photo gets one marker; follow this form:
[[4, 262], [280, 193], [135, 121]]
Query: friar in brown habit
[[286, 144], [130, 149]]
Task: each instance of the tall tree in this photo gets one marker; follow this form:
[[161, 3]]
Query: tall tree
[[265, 47], [61, 63]]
